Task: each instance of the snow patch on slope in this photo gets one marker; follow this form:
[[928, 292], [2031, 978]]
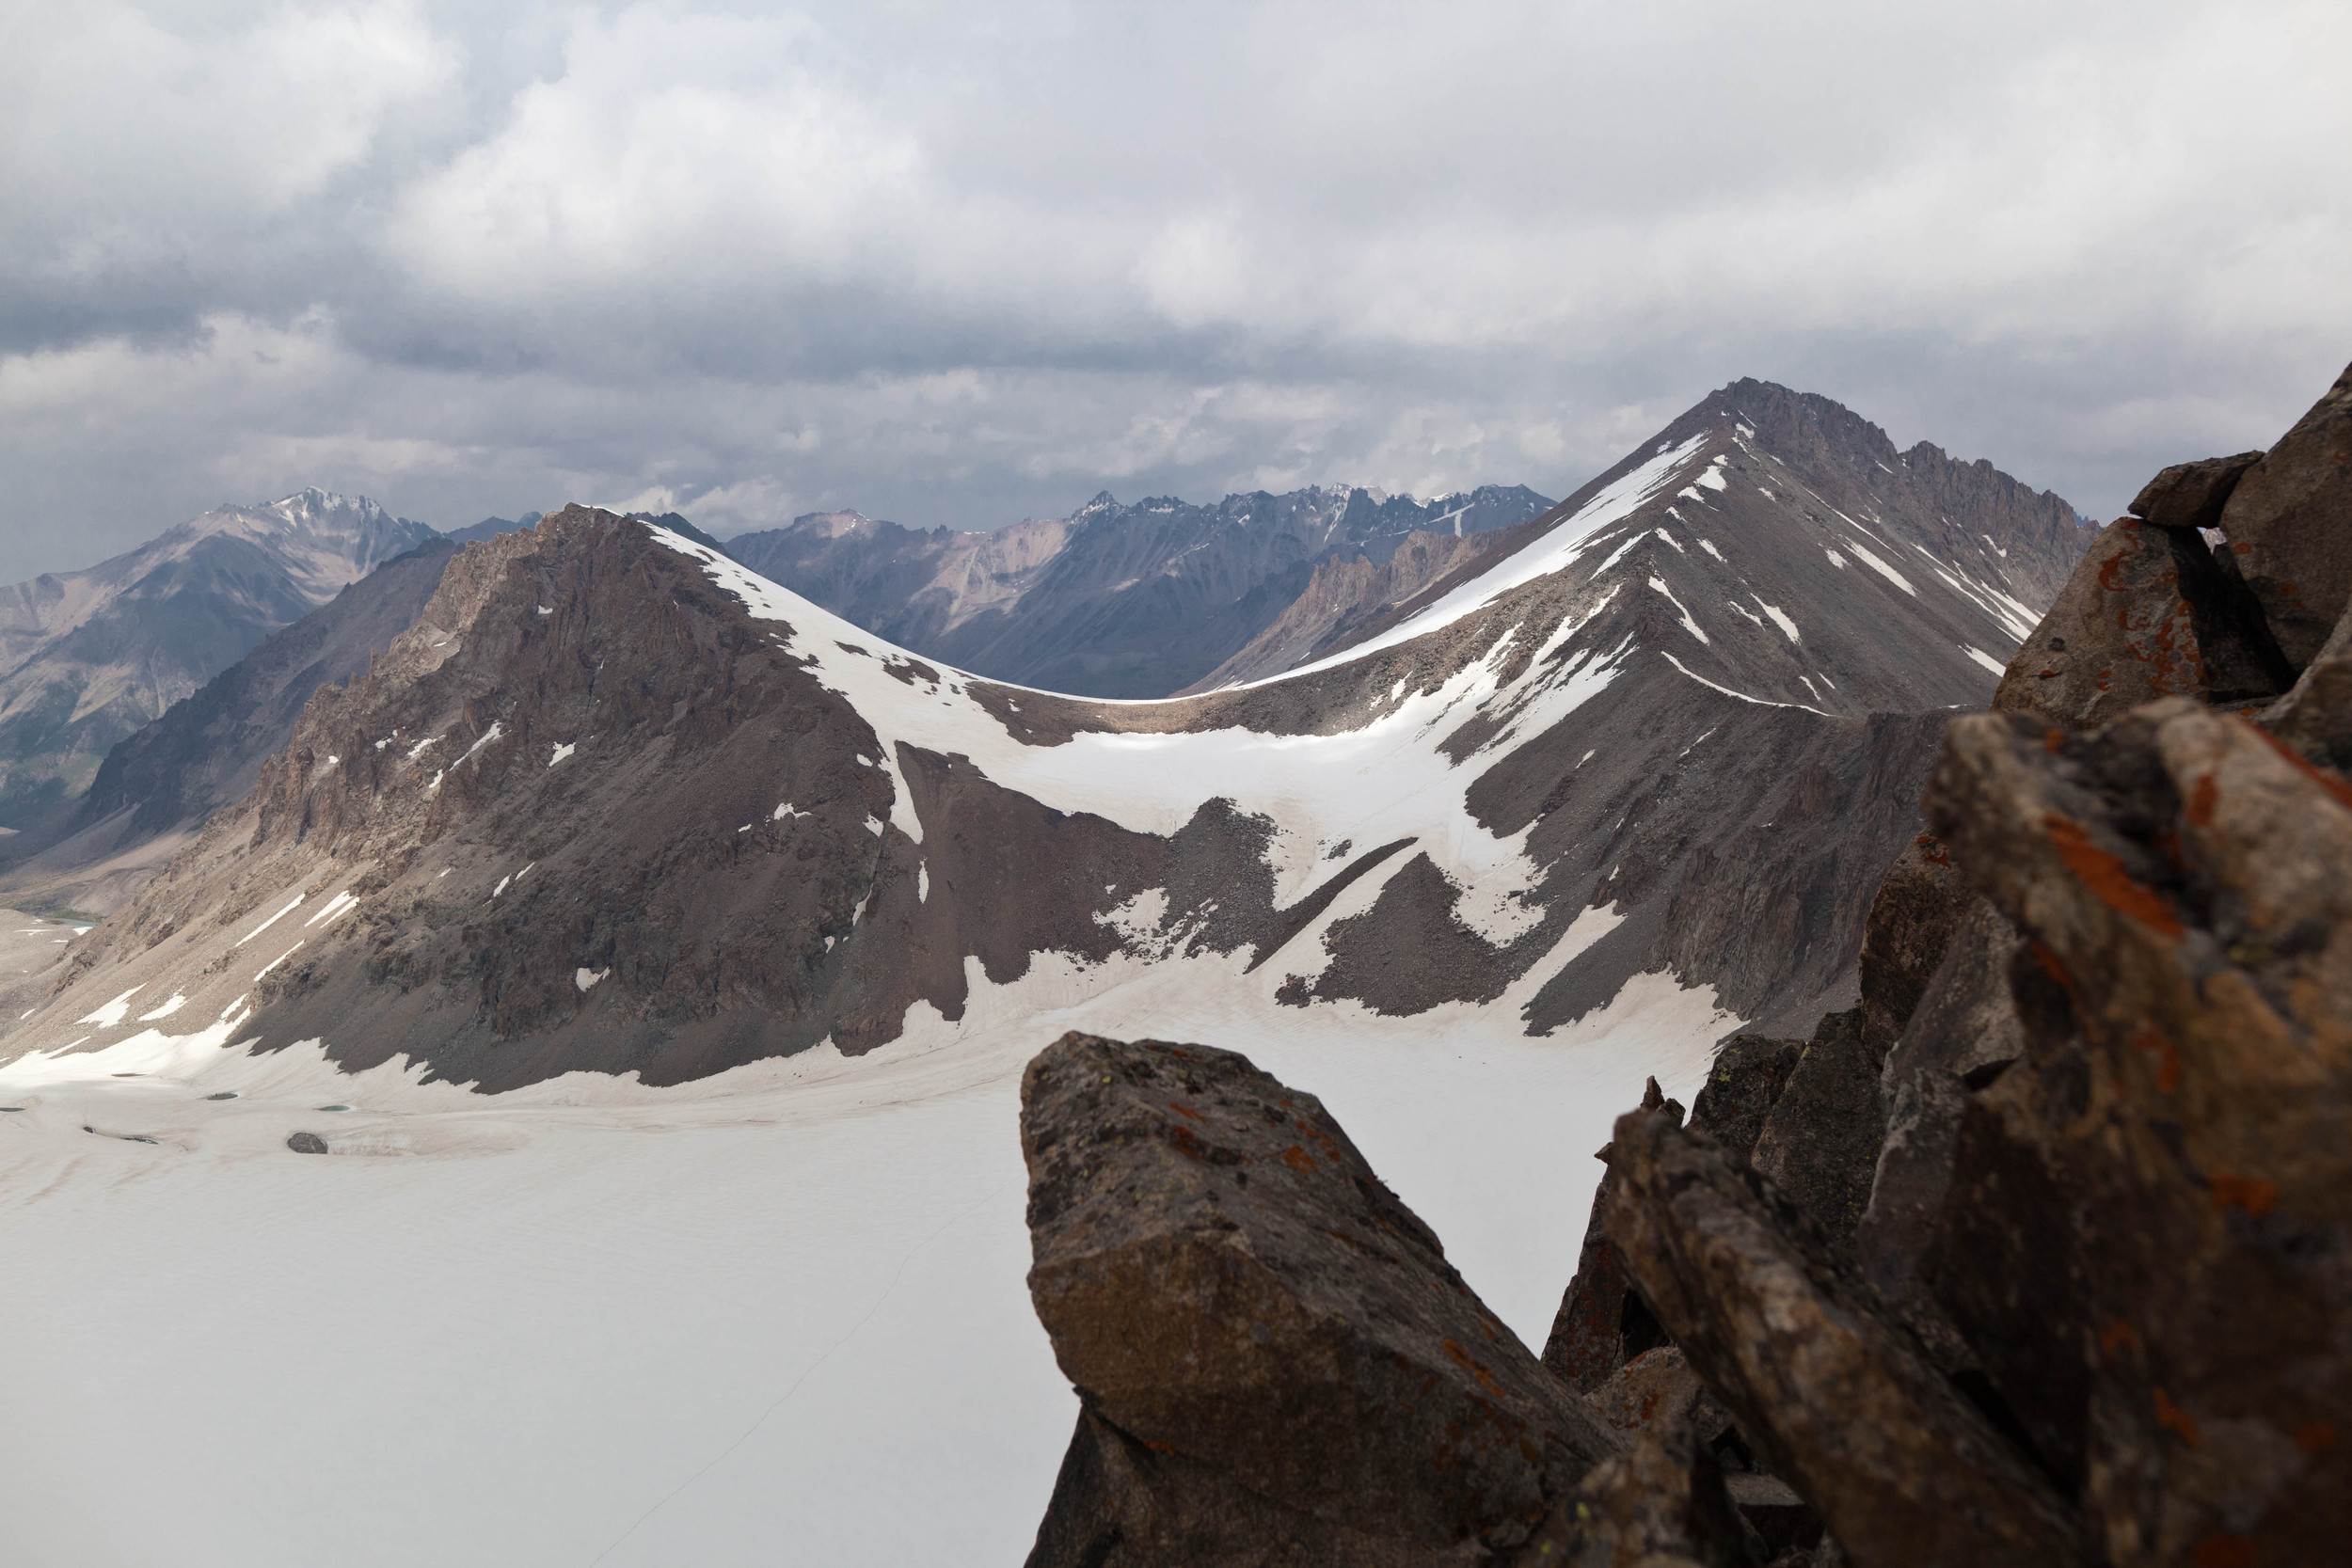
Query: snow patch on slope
[[1882, 568], [1383, 781], [1658, 585]]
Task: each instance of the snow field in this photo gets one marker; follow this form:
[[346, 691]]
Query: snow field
[[777, 1315], [1383, 781]]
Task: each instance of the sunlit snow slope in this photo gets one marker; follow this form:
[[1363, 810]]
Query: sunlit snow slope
[[651, 955]]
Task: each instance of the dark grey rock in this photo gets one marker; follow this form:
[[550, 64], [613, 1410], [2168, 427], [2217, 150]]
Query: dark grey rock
[[2289, 523], [1917, 905], [1662, 1504], [1964, 1025], [2315, 717], [2143, 1232], [1839, 1401], [1820, 1139], [1749, 1075], [2191, 495], [1232, 1290], [307, 1143], [1601, 1322]]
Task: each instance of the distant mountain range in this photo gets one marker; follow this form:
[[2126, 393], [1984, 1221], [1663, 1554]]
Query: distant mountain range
[[158, 787], [1676, 726], [1775, 558], [1496, 827], [87, 657], [1115, 600]]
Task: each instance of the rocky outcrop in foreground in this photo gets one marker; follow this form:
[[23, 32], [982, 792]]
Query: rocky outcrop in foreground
[[2109, 1208], [2042, 1253], [1277, 1363]]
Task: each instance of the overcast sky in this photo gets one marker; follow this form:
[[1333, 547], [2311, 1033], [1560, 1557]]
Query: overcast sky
[[967, 262]]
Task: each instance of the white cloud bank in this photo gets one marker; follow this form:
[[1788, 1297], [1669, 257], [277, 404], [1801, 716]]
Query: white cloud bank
[[957, 267]]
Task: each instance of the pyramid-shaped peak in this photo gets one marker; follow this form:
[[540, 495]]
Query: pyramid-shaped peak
[[311, 501]]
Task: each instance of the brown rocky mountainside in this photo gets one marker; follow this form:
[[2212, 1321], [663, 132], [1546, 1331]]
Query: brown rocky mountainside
[[616, 803], [2042, 1254], [1344, 593], [157, 786]]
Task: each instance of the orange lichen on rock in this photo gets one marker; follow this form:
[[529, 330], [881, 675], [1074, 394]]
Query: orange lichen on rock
[[2254, 1195], [2174, 1419], [2105, 876]]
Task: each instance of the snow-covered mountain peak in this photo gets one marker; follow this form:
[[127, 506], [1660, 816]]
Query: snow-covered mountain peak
[[1779, 552], [310, 503], [1484, 804], [1115, 599]]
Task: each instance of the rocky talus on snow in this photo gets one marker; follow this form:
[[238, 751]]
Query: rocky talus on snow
[[2037, 1255], [87, 657]]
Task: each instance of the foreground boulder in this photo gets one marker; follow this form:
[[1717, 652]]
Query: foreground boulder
[[2289, 525], [1275, 1361], [2152, 611], [1963, 1032], [2178, 1327], [2114, 1211], [1602, 1324], [2315, 717], [2191, 495], [2099, 1306], [1808, 1113]]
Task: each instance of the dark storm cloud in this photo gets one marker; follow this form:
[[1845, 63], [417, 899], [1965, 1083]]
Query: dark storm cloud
[[960, 265]]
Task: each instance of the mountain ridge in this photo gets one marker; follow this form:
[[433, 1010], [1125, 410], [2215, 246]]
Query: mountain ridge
[[87, 657], [2051, 534], [1115, 600], [1440, 815]]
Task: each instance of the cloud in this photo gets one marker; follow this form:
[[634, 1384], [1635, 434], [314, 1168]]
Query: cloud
[[692, 151], [956, 264]]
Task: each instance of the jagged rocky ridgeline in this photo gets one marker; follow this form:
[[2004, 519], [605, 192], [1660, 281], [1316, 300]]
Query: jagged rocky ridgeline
[[2041, 1255], [205, 751], [1115, 600], [87, 657], [1159, 597], [616, 803]]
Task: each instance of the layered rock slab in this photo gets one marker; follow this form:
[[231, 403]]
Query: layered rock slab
[[1810, 1113], [2150, 611], [1277, 1362], [2191, 495], [2171, 1309], [2289, 522], [1836, 1398]]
